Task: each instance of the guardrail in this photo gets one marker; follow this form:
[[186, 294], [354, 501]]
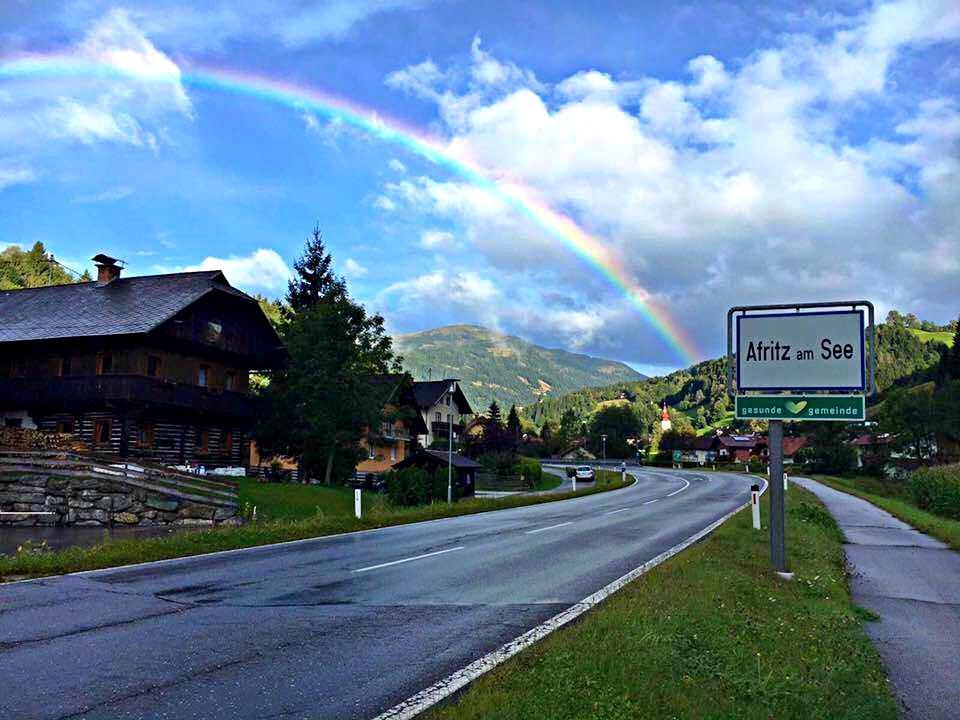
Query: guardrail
[[188, 487]]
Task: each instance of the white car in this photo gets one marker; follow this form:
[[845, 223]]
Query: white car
[[585, 473]]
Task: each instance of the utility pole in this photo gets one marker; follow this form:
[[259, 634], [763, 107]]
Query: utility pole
[[450, 443]]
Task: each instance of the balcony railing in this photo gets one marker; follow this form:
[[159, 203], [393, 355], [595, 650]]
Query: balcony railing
[[442, 428], [74, 391], [388, 431]]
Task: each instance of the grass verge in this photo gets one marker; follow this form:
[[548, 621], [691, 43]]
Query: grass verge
[[711, 633], [326, 520], [893, 498]]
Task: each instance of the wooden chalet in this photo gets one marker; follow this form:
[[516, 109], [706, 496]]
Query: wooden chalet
[[153, 367]]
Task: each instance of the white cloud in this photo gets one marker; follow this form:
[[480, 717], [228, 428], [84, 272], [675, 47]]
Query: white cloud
[[133, 107], [432, 239], [16, 175], [747, 173], [262, 269], [353, 269], [397, 166], [109, 195]]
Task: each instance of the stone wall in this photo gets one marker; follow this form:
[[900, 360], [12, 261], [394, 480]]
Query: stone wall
[[84, 500]]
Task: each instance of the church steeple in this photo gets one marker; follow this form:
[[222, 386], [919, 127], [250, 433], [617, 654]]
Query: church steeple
[[665, 423]]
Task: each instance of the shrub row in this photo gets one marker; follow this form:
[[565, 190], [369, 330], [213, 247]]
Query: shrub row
[[937, 489], [413, 486]]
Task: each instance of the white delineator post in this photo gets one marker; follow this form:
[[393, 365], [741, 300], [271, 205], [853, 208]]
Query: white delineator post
[[357, 494], [755, 505], [786, 485]]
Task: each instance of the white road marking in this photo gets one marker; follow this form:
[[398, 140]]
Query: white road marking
[[406, 560], [548, 527], [650, 502], [442, 689], [614, 512], [680, 490]]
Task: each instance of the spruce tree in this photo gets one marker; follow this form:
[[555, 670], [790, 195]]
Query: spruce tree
[[513, 424], [324, 395]]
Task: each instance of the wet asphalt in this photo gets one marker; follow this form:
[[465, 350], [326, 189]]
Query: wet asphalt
[[337, 627], [912, 581]]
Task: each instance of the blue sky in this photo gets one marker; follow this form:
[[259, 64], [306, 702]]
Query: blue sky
[[728, 153]]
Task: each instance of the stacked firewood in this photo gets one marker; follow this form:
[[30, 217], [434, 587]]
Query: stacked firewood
[[23, 439]]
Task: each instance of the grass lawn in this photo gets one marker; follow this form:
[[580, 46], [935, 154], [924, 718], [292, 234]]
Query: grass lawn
[[548, 481], [289, 501], [893, 497], [284, 511], [711, 633], [944, 336]]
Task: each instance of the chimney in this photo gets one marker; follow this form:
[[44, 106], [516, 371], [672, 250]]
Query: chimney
[[108, 268]]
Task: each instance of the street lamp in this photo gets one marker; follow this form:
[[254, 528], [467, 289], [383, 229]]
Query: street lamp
[[452, 389], [603, 440]]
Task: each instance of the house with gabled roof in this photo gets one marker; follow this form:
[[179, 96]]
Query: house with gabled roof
[[441, 404], [153, 367]]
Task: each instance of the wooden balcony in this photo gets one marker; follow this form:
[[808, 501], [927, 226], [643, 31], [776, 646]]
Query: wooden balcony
[[442, 429], [134, 390]]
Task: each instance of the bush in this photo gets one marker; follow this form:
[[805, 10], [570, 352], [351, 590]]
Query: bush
[[409, 486], [531, 471], [937, 489]]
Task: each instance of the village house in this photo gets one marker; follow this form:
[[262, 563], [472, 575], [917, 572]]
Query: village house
[[154, 368], [440, 404], [395, 438]]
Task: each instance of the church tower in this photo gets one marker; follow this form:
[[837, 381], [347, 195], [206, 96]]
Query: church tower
[[665, 423]]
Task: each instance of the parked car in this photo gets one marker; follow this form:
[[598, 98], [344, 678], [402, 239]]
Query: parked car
[[585, 474]]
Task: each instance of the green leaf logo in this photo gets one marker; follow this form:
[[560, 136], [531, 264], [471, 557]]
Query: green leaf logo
[[796, 407]]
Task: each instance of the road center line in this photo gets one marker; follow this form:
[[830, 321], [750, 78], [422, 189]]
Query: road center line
[[650, 502], [680, 490], [548, 527], [406, 560], [613, 512]]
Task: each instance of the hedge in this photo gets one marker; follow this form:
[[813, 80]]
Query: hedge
[[937, 489]]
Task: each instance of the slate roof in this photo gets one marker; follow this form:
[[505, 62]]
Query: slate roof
[[126, 306], [428, 392], [438, 457]]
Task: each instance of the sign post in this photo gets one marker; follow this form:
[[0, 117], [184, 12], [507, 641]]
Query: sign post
[[357, 510], [806, 361]]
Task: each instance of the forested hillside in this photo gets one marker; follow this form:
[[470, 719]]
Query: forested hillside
[[493, 366], [906, 355], [31, 268]]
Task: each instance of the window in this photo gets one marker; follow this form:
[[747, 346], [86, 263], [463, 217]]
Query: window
[[230, 381], [101, 432], [65, 427], [214, 331], [104, 364], [202, 374], [153, 366], [228, 441], [145, 435], [201, 440], [393, 452], [439, 416]]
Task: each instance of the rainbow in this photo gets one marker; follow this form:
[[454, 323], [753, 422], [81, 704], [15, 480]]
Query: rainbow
[[523, 200]]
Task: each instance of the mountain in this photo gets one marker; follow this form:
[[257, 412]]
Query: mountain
[[904, 357], [493, 366]]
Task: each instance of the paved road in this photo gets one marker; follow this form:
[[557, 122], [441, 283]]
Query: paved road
[[912, 582], [339, 627]]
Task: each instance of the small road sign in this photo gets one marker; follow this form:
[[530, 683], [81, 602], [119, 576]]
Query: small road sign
[[839, 408]]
